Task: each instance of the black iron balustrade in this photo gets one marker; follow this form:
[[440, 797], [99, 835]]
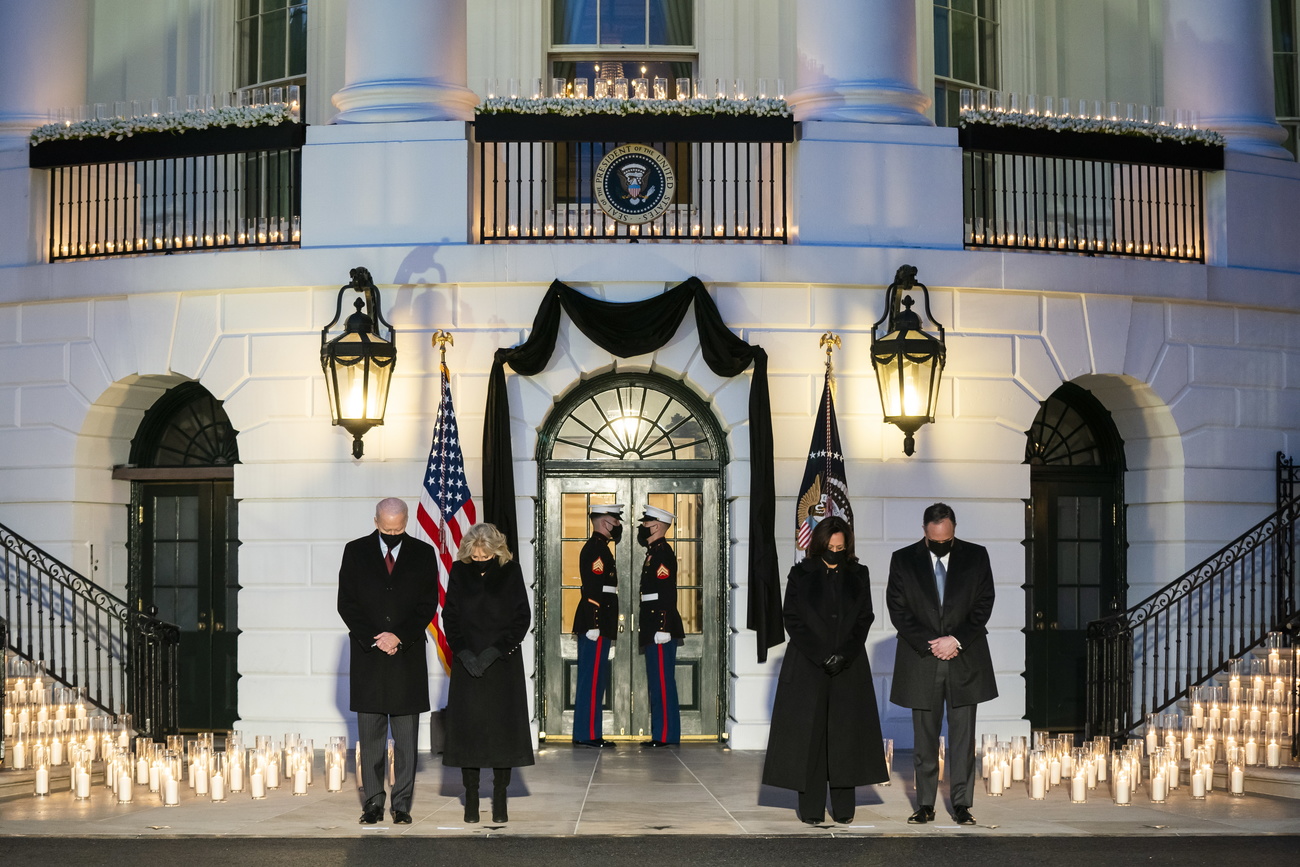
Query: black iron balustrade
[[1084, 193], [210, 189], [536, 178], [124, 660], [1145, 659]]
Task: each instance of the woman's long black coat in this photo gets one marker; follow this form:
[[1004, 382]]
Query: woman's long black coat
[[810, 701], [487, 717]]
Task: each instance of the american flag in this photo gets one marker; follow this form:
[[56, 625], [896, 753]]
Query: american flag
[[446, 508]]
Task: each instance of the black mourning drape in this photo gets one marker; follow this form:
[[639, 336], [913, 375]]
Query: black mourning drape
[[626, 330]]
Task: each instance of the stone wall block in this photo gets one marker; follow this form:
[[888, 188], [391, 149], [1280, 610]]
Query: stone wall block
[[86, 371], [1172, 372], [274, 564], [1066, 331], [153, 329], [1035, 368], [996, 313], [1269, 409], [1146, 339], [1245, 367], [1197, 407], [1231, 447], [286, 311], [978, 356], [42, 323], [1003, 401], [227, 367], [1201, 324], [25, 365], [264, 608], [1108, 319], [266, 652], [51, 406], [8, 407]]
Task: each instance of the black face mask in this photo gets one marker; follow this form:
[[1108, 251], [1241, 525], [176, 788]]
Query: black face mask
[[834, 558], [643, 536], [616, 533], [392, 541], [940, 549]]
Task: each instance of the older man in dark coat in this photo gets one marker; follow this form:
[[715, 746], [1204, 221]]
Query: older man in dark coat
[[940, 596], [388, 594]]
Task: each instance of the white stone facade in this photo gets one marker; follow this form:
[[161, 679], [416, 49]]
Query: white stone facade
[[1198, 363]]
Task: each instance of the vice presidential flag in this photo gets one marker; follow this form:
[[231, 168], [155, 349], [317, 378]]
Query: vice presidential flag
[[446, 508], [824, 491]]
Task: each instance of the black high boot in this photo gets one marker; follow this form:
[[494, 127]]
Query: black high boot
[[469, 776], [500, 782]]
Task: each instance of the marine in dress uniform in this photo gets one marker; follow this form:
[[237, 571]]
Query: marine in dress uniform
[[595, 623], [660, 627]]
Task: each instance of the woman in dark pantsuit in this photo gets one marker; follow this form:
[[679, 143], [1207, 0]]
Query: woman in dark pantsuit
[[825, 721], [486, 616]]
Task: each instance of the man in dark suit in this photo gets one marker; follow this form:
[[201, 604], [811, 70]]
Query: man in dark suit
[[940, 596], [388, 594]]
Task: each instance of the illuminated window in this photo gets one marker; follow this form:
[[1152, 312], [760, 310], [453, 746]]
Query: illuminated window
[[271, 43]]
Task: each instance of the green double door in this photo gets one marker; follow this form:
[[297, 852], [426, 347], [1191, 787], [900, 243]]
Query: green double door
[[697, 538], [188, 575]]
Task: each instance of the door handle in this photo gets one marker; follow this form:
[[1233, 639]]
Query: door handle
[[1053, 625], [203, 627], [218, 627], [620, 623], [1038, 620]]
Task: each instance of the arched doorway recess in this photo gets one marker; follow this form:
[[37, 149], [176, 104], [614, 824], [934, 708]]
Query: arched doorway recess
[[1075, 542], [183, 542], [633, 439]]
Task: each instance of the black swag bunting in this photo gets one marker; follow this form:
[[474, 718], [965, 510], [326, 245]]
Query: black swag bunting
[[626, 330]]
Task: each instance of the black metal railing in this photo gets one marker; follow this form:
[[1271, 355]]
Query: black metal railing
[[536, 179], [125, 661], [1088, 194], [203, 190], [1145, 659]]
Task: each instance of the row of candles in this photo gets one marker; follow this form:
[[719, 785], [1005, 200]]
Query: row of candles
[[1082, 771], [245, 232], [642, 87], [289, 97], [674, 224], [970, 100]]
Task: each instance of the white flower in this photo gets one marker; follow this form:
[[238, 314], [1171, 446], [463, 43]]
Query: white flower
[[270, 114], [569, 107], [1137, 128]]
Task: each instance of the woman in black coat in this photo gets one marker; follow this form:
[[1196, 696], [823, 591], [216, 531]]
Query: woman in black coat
[[486, 617], [825, 721]]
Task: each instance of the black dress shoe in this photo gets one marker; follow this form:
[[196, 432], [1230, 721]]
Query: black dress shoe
[[653, 744], [843, 820], [816, 821], [921, 816], [598, 743], [962, 816], [401, 817], [372, 815]]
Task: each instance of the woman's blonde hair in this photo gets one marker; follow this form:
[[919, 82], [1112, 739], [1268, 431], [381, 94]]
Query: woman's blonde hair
[[487, 538]]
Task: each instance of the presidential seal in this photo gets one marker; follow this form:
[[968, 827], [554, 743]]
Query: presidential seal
[[634, 184]]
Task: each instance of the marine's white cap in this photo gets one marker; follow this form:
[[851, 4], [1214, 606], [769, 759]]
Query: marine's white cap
[[599, 509], [654, 513]]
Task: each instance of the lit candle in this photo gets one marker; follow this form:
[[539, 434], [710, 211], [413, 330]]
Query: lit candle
[[335, 783], [171, 792], [1067, 765], [1274, 755], [1252, 752], [1090, 771], [987, 764], [124, 787], [300, 782], [1198, 784], [258, 784], [1018, 767], [1158, 787], [236, 777], [1207, 771], [20, 755], [141, 771], [200, 780], [154, 781], [83, 784], [1036, 786], [1122, 794], [1237, 781], [218, 787], [1079, 789], [1054, 773], [56, 752], [42, 781], [995, 780]]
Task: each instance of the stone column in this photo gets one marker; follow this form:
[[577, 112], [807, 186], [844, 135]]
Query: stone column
[[43, 50], [405, 61], [857, 62], [1218, 61]]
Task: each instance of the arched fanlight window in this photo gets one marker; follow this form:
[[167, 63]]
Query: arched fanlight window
[[186, 427], [631, 419], [1072, 429]]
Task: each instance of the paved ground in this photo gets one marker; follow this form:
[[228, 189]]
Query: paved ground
[[705, 791]]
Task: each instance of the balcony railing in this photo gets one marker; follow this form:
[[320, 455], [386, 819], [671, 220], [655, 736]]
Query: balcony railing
[[1087, 193], [164, 193], [536, 178]]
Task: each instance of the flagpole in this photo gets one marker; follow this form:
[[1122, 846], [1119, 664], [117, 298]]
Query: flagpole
[[441, 340]]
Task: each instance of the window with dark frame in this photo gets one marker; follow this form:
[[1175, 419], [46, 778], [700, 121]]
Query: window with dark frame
[[271, 43], [966, 53], [1286, 70]]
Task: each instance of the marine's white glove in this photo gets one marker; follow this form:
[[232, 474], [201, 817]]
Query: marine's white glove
[[593, 634], [662, 638], [611, 651]]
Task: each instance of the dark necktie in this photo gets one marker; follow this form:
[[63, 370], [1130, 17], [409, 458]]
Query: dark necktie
[[388, 561], [940, 576]]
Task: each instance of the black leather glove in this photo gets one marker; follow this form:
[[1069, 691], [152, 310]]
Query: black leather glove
[[486, 658], [833, 664], [470, 661]]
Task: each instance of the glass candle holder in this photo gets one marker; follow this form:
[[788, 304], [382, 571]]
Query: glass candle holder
[[640, 88], [579, 88], [683, 86], [602, 88], [559, 87], [1236, 772], [219, 775], [660, 88], [620, 88]]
